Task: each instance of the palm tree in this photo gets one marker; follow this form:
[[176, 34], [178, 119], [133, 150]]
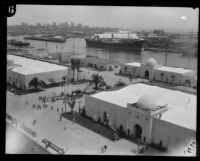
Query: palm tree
[[96, 78], [34, 82], [73, 66], [71, 104], [78, 65], [64, 78]]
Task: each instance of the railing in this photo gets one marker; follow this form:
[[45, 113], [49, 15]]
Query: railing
[[53, 146], [33, 133]]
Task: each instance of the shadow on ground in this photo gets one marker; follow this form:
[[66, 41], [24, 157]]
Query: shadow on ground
[[91, 125]]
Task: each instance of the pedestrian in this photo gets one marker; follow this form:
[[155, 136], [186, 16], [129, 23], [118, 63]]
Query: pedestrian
[[65, 128], [57, 109], [62, 110], [34, 122], [60, 117], [51, 108], [26, 102]]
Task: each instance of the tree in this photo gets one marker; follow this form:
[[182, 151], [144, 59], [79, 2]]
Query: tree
[[34, 83], [78, 64], [71, 104], [97, 79], [73, 66]]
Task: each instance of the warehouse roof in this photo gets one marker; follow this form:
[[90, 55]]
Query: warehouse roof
[[181, 117], [135, 64], [31, 66], [174, 99], [174, 70]]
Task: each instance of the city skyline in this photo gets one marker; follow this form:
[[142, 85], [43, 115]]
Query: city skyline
[[168, 18]]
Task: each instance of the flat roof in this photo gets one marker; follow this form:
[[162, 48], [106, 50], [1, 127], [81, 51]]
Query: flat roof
[[135, 64], [31, 66], [174, 70], [174, 99], [181, 117]]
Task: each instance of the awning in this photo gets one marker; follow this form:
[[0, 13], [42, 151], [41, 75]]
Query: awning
[[52, 81], [46, 82]]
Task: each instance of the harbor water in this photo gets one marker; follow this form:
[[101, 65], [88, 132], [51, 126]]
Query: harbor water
[[78, 45]]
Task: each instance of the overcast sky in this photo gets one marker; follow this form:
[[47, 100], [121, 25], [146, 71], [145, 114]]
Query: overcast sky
[[168, 18]]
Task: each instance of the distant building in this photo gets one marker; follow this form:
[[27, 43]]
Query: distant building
[[155, 115], [159, 32], [67, 56], [102, 64], [151, 70], [23, 70]]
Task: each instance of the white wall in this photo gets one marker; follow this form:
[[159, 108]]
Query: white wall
[[179, 78], [56, 75], [97, 107], [130, 69], [171, 135]]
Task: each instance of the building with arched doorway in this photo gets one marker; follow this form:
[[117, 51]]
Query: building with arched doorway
[[152, 114], [151, 70]]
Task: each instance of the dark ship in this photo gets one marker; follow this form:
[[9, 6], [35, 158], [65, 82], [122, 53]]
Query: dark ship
[[153, 42], [120, 40], [58, 39], [18, 43]]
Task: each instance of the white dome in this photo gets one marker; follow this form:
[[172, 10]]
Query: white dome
[[152, 62], [147, 102]]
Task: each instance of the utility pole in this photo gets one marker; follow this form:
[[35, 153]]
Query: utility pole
[[46, 46], [79, 107], [110, 54], [165, 59]]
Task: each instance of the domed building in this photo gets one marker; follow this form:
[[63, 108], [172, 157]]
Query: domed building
[[151, 62], [151, 70], [147, 102]]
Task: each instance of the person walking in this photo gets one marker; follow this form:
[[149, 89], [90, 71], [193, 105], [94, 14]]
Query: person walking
[[60, 117], [51, 108]]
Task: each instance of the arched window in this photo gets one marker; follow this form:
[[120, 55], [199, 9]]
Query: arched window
[[126, 68]]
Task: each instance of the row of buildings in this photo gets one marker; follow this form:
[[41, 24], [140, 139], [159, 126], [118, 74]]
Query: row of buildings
[[154, 114], [23, 69]]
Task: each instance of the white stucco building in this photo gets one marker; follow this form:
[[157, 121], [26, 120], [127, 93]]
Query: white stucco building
[[156, 115], [22, 70], [153, 71]]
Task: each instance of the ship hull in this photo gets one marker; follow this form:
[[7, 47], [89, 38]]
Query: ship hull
[[20, 44], [46, 39], [129, 45]]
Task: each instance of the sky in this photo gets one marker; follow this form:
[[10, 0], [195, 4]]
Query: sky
[[139, 18]]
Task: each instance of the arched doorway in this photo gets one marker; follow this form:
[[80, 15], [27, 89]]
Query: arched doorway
[[138, 131], [188, 83], [128, 132], [146, 74]]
